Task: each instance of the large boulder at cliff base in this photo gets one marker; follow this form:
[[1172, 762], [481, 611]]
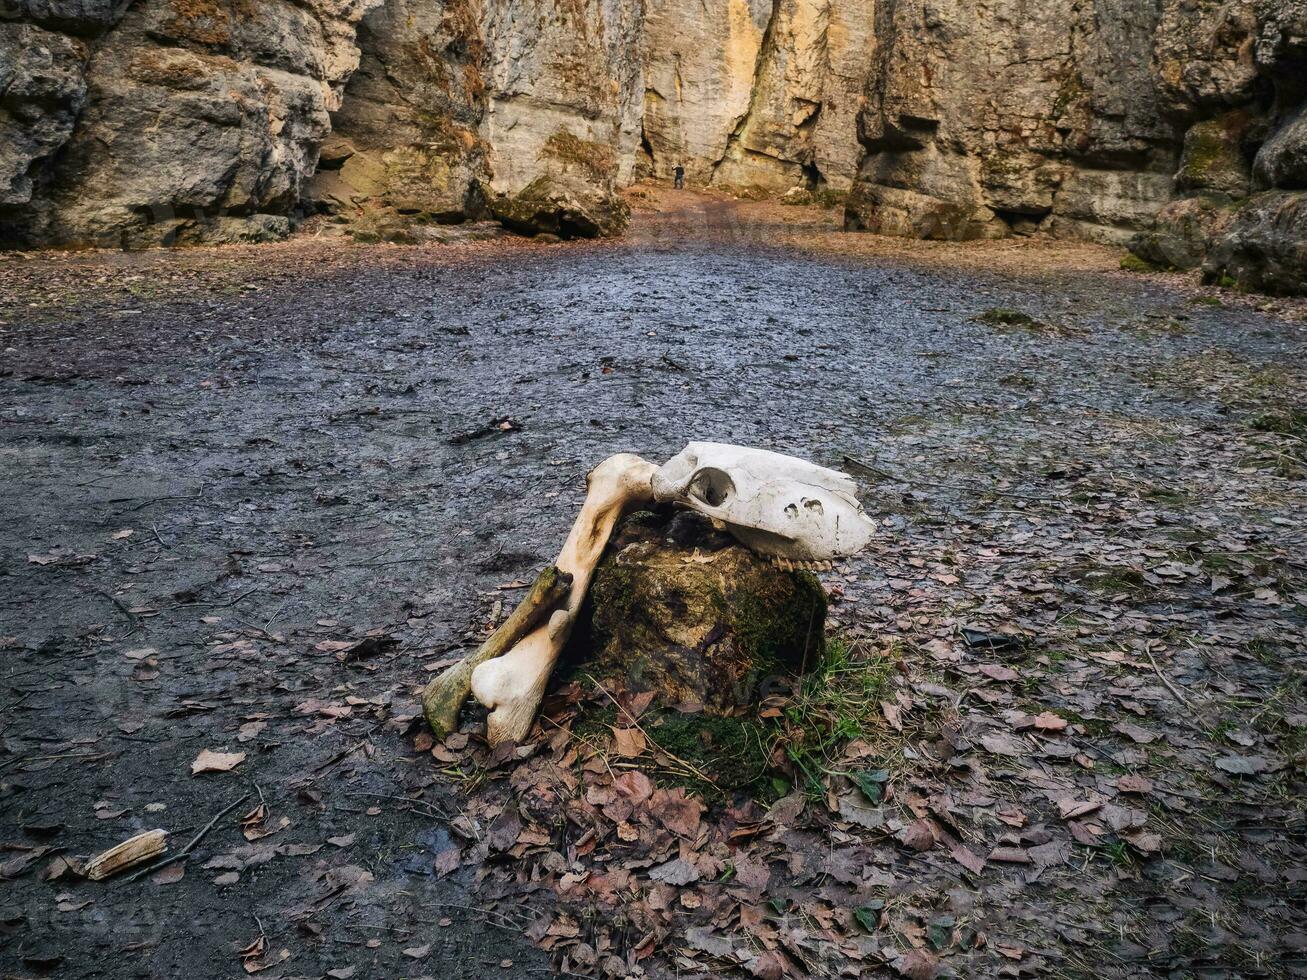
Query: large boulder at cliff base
[[1265, 246], [1282, 160], [1182, 232], [1213, 160], [562, 207], [1108, 206], [42, 79], [907, 214]]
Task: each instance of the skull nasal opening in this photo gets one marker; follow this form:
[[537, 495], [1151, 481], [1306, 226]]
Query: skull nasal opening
[[712, 487]]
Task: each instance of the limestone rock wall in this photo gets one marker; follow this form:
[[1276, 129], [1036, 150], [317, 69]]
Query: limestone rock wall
[[167, 120], [756, 93], [802, 120], [562, 72], [986, 118], [1176, 125], [701, 62], [162, 121], [1235, 73], [406, 138]]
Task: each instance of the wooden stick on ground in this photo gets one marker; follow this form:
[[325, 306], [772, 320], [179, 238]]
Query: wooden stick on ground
[[131, 852], [1148, 649], [444, 695]]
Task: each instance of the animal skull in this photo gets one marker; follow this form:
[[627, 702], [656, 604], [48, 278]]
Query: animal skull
[[773, 504]]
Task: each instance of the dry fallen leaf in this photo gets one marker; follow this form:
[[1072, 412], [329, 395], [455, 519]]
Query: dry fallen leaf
[[170, 875], [1049, 722], [1071, 809], [1144, 841], [919, 835], [1134, 784], [1010, 855], [892, 715], [1242, 765], [1135, 733], [211, 761], [629, 742], [918, 965]]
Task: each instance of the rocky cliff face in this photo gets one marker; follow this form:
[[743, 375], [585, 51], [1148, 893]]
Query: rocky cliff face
[[756, 93], [984, 119], [158, 121], [406, 137], [1176, 125], [1173, 125], [132, 124], [1234, 77]]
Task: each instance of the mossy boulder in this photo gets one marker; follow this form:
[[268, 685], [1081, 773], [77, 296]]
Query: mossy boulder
[[1182, 231], [1213, 161], [886, 210], [687, 613], [564, 206], [1265, 246]]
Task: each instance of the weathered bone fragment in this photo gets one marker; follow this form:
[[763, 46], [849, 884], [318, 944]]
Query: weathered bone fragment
[[444, 695], [775, 505], [512, 685]]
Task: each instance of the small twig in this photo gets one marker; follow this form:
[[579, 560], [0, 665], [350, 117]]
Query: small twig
[[341, 755], [487, 912], [218, 605], [1148, 650], [173, 859], [435, 810], [131, 616], [91, 757], [154, 500], [274, 616], [383, 564]]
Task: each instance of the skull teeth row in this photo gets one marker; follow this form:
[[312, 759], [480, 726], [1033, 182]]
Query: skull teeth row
[[788, 565]]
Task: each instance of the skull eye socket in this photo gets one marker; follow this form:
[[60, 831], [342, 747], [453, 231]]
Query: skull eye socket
[[711, 487]]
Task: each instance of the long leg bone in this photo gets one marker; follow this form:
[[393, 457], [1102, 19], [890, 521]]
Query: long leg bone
[[513, 685], [444, 696]]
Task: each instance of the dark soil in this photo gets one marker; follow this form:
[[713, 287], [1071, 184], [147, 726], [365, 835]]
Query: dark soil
[[237, 506]]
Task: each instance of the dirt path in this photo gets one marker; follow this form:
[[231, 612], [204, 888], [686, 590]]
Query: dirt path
[[236, 518]]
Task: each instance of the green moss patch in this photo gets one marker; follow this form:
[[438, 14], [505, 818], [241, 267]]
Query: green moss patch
[[795, 739], [1009, 320], [1133, 263]]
